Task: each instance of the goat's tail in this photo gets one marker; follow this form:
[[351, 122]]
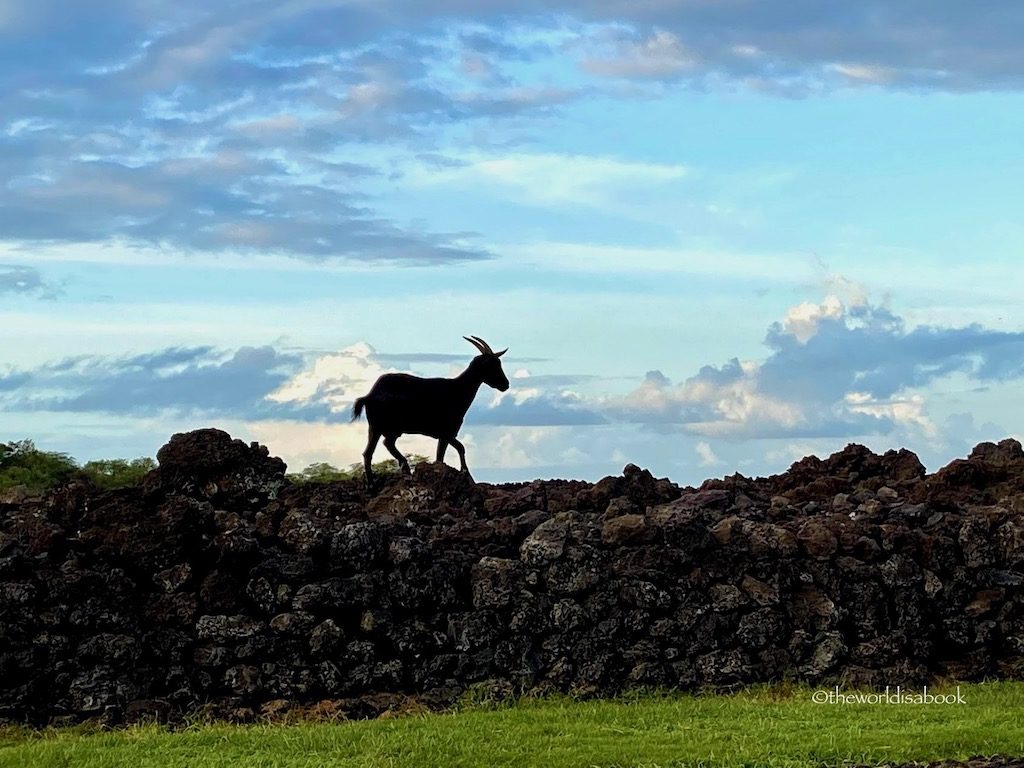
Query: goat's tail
[[357, 407]]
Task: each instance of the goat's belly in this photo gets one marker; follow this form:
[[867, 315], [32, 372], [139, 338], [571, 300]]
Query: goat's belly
[[410, 427], [430, 430], [399, 416]]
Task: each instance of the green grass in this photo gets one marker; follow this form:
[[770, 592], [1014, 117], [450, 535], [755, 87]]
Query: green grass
[[771, 726]]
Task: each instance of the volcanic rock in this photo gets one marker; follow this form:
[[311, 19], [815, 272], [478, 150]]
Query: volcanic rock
[[217, 586]]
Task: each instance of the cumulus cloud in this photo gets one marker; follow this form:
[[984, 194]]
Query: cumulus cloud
[[802, 320], [835, 369], [334, 380]]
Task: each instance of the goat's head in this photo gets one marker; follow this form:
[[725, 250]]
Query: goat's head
[[487, 364]]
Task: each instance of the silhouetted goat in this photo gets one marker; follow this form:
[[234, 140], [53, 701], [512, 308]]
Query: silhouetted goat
[[399, 403]]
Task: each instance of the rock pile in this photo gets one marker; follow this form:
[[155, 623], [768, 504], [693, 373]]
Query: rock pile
[[216, 583]]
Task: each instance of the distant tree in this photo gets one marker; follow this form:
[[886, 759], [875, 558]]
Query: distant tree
[[321, 472], [118, 473], [8, 451], [24, 465]]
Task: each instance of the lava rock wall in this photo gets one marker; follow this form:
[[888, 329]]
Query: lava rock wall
[[217, 585]]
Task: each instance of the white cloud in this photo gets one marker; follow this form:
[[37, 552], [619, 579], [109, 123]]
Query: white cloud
[[508, 448], [335, 379], [908, 412], [868, 74], [835, 369], [573, 455], [802, 320], [708, 458], [548, 178]]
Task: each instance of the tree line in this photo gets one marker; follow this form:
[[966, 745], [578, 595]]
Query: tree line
[[26, 467]]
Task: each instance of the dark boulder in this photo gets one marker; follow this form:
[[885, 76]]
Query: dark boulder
[[208, 464]]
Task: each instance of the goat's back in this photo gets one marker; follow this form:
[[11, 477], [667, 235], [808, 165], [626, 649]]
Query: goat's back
[[407, 386], [402, 403]]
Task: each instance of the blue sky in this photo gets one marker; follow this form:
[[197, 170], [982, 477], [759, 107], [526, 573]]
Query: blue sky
[[716, 236]]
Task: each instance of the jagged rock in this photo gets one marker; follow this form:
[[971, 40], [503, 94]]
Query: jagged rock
[[227, 629], [626, 529], [726, 597], [94, 690], [985, 601], [976, 542], [760, 592], [293, 623], [827, 654], [760, 628], [208, 464], [326, 639], [243, 679], [360, 544], [547, 542], [812, 608], [817, 539], [497, 583], [174, 578], [770, 540]]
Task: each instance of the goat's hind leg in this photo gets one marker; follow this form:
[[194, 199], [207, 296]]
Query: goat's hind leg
[[403, 463], [371, 446], [442, 446], [462, 453]]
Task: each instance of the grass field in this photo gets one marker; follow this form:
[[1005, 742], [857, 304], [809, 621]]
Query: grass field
[[769, 726]]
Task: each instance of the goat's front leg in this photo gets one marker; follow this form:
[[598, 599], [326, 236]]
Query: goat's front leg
[[462, 453], [442, 446], [403, 463]]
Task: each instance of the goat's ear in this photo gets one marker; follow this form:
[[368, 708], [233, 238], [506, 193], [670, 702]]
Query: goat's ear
[[499, 354]]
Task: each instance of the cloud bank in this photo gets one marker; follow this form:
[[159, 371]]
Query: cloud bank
[[264, 126]]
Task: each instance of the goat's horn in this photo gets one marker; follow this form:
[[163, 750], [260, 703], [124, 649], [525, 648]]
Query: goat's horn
[[472, 340], [484, 346], [499, 354]]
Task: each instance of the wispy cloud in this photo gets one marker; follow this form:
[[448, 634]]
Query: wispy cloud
[[546, 180], [272, 105], [22, 279], [708, 457], [661, 55]]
